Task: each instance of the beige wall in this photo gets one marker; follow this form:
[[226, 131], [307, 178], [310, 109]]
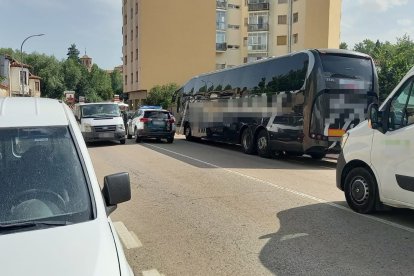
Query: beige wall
[[3, 92], [32, 85], [15, 80], [176, 41], [322, 24]]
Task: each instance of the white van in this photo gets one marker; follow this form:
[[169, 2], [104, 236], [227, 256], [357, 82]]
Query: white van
[[54, 218], [100, 122], [376, 165]]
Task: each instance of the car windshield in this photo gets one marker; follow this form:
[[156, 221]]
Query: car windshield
[[100, 110], [41, 177]]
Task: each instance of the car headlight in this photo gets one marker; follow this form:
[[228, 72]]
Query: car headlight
[[87, 128], [344, 139], [121, 127]]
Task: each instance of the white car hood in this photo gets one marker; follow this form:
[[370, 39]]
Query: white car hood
[[103, 122], [80, 249]]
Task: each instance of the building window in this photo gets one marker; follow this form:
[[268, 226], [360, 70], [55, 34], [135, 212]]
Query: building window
[[136, 54], [257, 42], [132, 78], [125, 39], [125, 19], [282, 19], [220, 20], [220, 37], [295, 38], [37, 86], [282, 40], [282, 1], [126, 59], [132, 13], [132, 35], [126, 79], [23, 77], [258, 21], [132, 56], [136, 31], [136, 8], [136, 76], [295, 17], [235, 27], [232, 6]]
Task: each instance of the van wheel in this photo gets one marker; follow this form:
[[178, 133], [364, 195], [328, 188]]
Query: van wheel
[[122, 141], [137, 138], [262, 144], [361, 190], [247, 141], [187, 133], [170, 140]]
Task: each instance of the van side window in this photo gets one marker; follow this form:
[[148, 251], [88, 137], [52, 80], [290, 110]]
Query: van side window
[[402, 107]]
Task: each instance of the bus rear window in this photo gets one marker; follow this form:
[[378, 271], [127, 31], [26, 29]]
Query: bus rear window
[[347, 67]]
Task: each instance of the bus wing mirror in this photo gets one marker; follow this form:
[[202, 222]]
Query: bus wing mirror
[[374, 117]]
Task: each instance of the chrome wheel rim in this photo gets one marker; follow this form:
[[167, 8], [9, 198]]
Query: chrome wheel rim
[[262, 143], [187, 131], [247, 140]]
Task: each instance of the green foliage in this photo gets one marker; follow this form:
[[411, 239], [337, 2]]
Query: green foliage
[[161, 95], [393, 61], [73, 53], [59, 76], [343, 45]]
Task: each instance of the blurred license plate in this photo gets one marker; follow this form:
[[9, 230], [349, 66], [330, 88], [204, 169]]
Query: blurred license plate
[[106, 135], [158, 123]]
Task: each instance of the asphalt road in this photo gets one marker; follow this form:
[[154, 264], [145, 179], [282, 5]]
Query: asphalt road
[[208, 209]]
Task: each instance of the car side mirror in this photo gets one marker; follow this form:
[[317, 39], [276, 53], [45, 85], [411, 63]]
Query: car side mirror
[[117, 189], [375, 117]]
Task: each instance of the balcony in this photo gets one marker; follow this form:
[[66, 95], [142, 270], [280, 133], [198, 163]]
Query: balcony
[[221, 47], [257, 48], [221, 5], [258, 27], [258, 6]]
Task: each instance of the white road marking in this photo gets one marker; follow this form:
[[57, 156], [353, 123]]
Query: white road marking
[[128, 238], [293, 236], [390, 223], [152, 272]]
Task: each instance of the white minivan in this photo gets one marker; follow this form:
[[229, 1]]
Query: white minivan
[[100, 122], [376, 166], [54, 218]]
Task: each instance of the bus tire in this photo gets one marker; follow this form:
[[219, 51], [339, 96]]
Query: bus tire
[[247, 141], [137, 138], [361, 191], [187, 133], [262, 144]]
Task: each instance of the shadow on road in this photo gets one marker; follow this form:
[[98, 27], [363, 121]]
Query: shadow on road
[[231, 156], [321, 240]]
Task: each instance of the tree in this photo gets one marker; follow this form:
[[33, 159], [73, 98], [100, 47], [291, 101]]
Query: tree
[[161, 95], [73, 52], [72, 72], [343, 45], [100, 81], [116, 82]]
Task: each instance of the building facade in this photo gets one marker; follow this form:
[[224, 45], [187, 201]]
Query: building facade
[[172, 41], [17, 79]]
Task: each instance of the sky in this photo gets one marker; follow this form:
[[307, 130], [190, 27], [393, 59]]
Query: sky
[[96, 25]]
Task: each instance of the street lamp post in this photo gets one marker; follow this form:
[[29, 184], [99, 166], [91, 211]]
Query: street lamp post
[[21, 60]]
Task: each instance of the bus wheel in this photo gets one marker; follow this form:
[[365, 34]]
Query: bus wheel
[[361, 190], [247, 141], [317, 156], [187, 133], [263, 148]]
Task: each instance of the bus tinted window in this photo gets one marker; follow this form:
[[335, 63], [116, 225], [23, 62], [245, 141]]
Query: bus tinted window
[[347, 67]]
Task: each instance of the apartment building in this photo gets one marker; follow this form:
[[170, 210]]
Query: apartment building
[[172, 41]]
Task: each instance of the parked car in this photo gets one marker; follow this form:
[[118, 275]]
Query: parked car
[[376, 166], [54, 219], [100, 122], [152, 123]]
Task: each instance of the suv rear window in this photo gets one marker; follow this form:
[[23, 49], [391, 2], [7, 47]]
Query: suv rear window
[[156, 115], [41, 177]]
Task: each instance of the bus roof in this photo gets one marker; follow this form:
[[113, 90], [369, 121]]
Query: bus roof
[[307, 51]]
